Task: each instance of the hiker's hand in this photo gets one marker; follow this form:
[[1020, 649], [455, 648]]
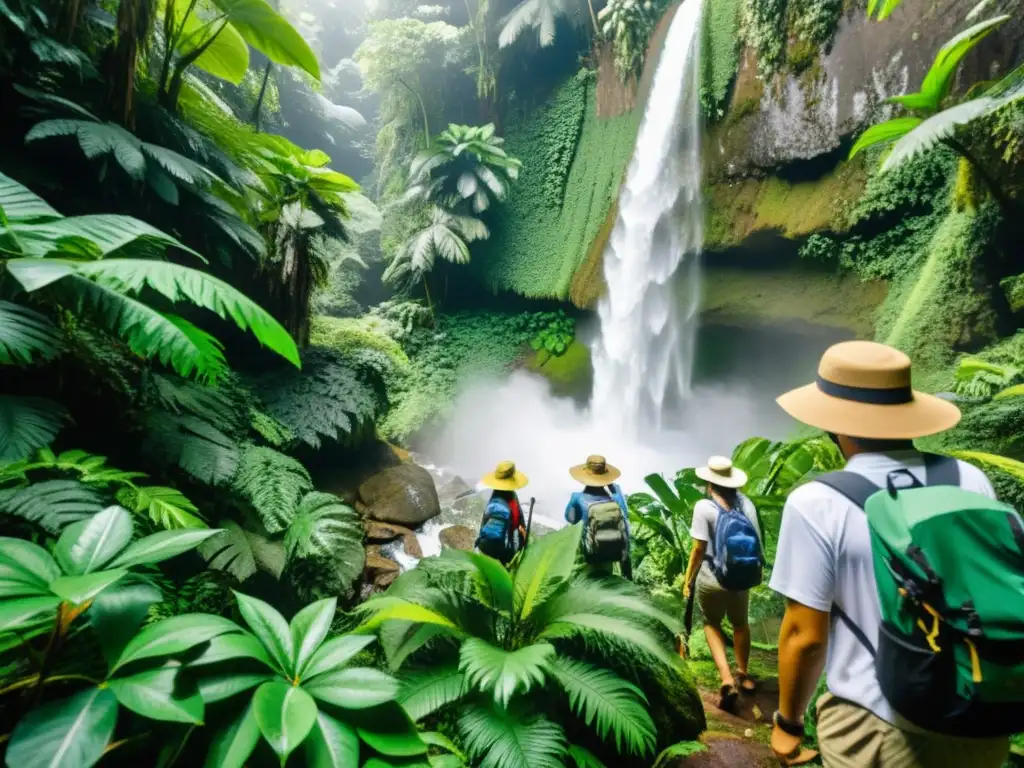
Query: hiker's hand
[[788, 750]]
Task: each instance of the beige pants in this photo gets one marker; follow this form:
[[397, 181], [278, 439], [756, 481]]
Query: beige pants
[[716, 603], [852, 737]]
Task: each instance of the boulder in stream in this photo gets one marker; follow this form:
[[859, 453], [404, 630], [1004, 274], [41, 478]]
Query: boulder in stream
[[380, 571], [381, 533], [403, 494], [411, 545], [458, 537], [453, 490]]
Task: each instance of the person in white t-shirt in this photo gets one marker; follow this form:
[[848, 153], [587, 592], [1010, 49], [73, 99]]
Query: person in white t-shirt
[[716, 602], [864, 401]]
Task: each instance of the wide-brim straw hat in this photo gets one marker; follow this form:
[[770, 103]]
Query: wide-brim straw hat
[[505, 477], [720, 471], [863, 390], [596, 471]]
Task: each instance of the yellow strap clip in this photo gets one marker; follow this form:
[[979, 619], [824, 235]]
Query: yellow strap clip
[[975, 661], [930, 635]]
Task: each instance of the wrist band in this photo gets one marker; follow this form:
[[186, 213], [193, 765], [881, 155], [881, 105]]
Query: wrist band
[[788, 726]]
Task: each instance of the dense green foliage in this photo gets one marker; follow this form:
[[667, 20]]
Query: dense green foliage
[[720, 50]]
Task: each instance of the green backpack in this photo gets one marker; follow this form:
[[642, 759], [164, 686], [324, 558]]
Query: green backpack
[[605, 537], [949, 565]]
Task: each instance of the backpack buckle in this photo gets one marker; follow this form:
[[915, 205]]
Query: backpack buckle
[[893, 488]]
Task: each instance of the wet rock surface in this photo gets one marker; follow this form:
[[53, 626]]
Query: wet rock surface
[[458, 537], [380, 533], [404, 494]]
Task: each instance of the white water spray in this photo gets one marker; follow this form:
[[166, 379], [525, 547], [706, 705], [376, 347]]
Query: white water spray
[[643, 359]]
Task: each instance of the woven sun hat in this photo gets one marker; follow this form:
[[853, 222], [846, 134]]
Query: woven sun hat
[[720, 471], [863, 390], [596, 471], [505, 477]]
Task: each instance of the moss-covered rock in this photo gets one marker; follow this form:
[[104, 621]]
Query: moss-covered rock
[[569, 373]]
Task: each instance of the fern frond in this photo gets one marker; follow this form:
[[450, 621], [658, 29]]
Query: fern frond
[[583, 758], [269, 428], [612, 706], [503, 738], [51, 504], [504, 673], [324, 526], [241, 552], [273, 483], [27, 424], [88, 467], [215, 405], [26, 335], [195, 445], [425, 691], [167, 507]]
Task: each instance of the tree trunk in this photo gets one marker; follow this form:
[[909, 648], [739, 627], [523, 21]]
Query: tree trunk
[[259, 99]]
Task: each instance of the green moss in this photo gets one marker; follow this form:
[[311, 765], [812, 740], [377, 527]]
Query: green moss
[[1013, 289], [802, 53], [720, 49], [536, 245], [568, 373]]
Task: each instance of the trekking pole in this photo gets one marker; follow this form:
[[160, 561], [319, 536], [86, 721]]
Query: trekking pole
[[529, 520], [688, 621]]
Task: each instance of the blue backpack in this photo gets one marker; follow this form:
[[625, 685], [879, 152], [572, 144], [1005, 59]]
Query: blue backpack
[[738, 559], [495, 537]]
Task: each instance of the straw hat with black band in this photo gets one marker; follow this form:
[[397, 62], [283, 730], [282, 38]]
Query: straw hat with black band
[[505, 477], [863, 390], [596, 472]]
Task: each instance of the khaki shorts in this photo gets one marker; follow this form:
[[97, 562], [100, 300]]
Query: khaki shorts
[[852, 737], [716, 603]]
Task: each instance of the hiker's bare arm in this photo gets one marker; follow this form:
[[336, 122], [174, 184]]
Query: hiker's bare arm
[[803, 640], [696, 558]]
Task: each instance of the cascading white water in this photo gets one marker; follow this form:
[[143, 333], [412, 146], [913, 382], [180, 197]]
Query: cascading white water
[[643, 358]]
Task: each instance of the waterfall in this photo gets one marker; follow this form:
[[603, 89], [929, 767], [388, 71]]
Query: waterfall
[[643, 358]]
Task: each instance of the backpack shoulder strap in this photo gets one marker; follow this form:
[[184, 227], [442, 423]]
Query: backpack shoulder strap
[[941, 470], [856, 488]]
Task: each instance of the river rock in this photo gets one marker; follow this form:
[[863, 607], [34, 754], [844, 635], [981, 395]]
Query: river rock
[[470, 507], [381, 533], [411, 544], [458, 537], [377, 565], [404, 494], [453, 490]]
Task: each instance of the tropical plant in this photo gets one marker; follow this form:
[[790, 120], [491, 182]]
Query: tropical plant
[[542, 15], [215, 35], [629, 24], [671, 528], [306, 693], [494, 638], [464, 164], [981, 379], [555, 337], [930, 125]]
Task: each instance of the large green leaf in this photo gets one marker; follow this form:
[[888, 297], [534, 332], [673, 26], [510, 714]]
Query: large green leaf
[[504, 673], [90, 544], [609, 704], [217, 687], [226, 56], [397, 609], [426, 691], [270, 627], [332, 744], [285, 715], [884, 133], [162, 546], [939, 79], [270, 34], [93, 237], [19, 204], [388, 729], [27, 424], [502, 738], [52, 504], [27, 611], [667, 495], [117, 613], [174, 635], [355, 688], [159, 694], [545, 565], [236, 645], [26, 335], [66, 733], [584, 758], [335, 653], [494, 581], [626, 634], [882, 8], [79, 589], [232, 746], [935, 129], [308, 628], [167, 507], [30, 558]]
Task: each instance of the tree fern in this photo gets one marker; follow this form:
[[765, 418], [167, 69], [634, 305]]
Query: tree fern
[[26, 335], [27, 424], [51, 504], [167, 507], [504, 673], [612, 706], [426, 691], [273, 483], [501, 738]]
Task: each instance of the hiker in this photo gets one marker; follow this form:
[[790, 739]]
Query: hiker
[[879, 567], [602, 509], [725, 562], [502, 530]]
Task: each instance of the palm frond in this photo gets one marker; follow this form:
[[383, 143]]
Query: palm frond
[[273, 483], [504, 673], [51, 504], [934, 130], [503, 738], [583, 758], [545, 565], [27, 424], [425, 691], [169, 508], [26, 335], [193, 444], [19, 205], [612, 706]]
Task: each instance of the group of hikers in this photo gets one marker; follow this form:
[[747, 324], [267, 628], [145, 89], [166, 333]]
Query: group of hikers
[[903, 577]]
